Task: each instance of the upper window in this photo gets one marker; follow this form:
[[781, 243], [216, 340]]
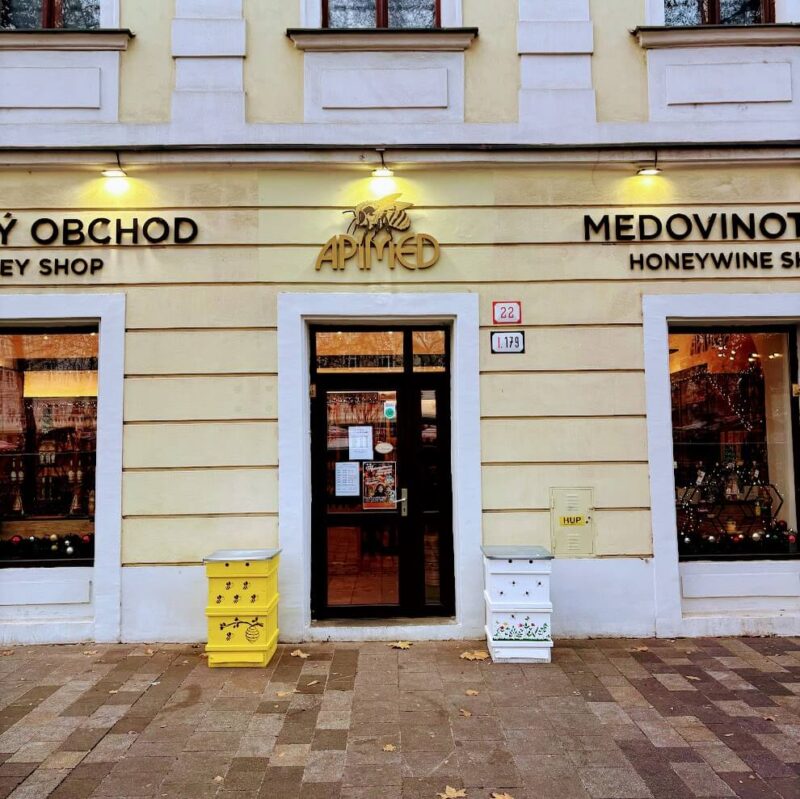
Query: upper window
[[28, 14], [381, 14], [718, 12]]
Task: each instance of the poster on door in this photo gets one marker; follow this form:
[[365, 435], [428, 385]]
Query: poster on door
[[380, 485]]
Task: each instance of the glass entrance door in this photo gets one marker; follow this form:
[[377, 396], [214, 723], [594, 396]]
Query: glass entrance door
[[381, 488]]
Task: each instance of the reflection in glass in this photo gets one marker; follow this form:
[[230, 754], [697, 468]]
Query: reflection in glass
[[27, 14], [368, 351], [48, 432], [429, 351], [732, 443], [363, 564], [703, 12], [21, 14], [81, 13], [412, 13], [351, 14]]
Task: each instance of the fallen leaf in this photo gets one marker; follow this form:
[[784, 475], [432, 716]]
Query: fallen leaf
[[185, 662], [640, 649], [298, 653], [284, 693], [465, 713], [692, 678], [90, 652], [400, 645], [219, 778], [149, 651], [471, 692], [496, 795], [113, 692], [6, 652], [769, 718], [157, 682], [452, 793], [313, 682], [475, 654], [389, 748]]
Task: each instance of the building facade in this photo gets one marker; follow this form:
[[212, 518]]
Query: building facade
[[380, 282]]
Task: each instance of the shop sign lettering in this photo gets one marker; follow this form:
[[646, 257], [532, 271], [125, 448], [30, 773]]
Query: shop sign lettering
[[709, 227], [371, 235], [75, 232]]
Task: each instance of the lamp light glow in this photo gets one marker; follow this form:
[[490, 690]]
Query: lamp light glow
[[115, 171], [382, 171], [648, 171]]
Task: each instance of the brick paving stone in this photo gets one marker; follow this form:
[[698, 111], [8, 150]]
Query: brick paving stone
[[608, 718]]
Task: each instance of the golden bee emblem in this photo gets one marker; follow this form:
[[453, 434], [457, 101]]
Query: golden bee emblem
[[386, 214]]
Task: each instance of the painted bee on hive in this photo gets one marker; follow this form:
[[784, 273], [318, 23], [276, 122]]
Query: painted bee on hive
[[384, 214]]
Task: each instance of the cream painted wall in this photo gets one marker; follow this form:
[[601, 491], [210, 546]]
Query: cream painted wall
[[200, 446], [492, 63], [147, 71], [273, 69], [619, 64]]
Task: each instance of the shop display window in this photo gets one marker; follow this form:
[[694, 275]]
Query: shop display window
[[48, 436], [734, 422], [718, 12]]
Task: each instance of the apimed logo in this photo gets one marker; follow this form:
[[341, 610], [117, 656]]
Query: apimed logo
[[371, 236]]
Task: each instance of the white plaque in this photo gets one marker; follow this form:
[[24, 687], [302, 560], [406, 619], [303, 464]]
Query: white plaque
[[360, 441], [347, 481], [508, 342]]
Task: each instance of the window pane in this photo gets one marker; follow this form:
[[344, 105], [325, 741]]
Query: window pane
[[370, 351], [732, 444], [684, 12], [429, 352], [412, 13], [81, 13], [21, 13], [351, 14], [48, 433], [740, 12]]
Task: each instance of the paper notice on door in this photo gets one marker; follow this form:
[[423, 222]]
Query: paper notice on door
[[347, 479], [360, 440], [380, 485]]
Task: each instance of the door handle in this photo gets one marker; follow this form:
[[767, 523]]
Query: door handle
[[403, 502]]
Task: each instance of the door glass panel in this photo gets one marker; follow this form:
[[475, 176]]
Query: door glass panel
[[732, 444], [433, 586], [429, 351], [361, 451], [363, 564], [351, 352]]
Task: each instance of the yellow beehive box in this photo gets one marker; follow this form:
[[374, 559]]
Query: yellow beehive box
[[242, 608]]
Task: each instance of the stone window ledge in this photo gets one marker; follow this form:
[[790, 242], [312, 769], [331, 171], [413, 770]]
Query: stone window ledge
[[383, 40], [65, 39], [654, 37]]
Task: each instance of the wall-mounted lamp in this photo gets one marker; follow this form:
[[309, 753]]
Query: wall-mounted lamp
[[115, 172], [382, 171], [650, 170]]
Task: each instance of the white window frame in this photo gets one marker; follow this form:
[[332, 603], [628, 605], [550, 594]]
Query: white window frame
[[311, 13], [658, 312], [295, 313], [108, 310]]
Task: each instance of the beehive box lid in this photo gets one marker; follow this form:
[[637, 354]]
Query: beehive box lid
[[241, 554], [517, 553]]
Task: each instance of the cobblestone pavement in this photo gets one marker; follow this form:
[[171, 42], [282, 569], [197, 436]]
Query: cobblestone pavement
[[615, 719]]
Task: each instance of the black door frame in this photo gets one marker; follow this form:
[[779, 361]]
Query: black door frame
[[407, 384]]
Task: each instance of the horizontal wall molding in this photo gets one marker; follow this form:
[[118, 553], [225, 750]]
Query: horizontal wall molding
[[389, 40], [653, 37], [63, 39]]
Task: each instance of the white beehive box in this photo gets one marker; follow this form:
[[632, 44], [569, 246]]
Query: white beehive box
[[518, 607]]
